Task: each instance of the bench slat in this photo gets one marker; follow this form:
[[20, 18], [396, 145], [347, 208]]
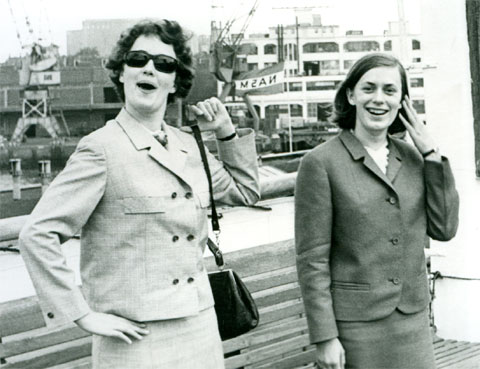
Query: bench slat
[[264, 353], [20, 316], [277, 294], [271, 279], [55, 355], [83, 363], [280, 311], [297, 360], [261, 336], [40, 341], [256, 260]]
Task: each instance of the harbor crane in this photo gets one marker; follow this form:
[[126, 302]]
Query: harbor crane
[[224, 48], [40, 69]]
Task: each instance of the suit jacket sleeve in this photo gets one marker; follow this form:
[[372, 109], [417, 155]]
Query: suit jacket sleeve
[[442, 200], [235, 175], [61, 212], [313, 224]]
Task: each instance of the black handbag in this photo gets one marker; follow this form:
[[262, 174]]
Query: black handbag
[[236, 310]]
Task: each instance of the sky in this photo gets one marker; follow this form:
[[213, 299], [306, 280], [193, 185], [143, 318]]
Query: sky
[[50, 19]]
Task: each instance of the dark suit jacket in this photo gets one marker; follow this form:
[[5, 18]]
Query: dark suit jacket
[[360, 234]]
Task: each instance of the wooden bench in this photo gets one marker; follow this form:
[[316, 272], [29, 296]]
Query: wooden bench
[[280, 340]]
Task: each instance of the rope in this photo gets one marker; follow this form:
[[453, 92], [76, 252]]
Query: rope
[[438, 275], [432, 283]]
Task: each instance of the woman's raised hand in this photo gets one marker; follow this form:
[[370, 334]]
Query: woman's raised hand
[[417, 130], [212, 115]]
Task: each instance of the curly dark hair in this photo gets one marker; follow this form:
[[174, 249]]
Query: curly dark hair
[[344, 113], [170, 33]]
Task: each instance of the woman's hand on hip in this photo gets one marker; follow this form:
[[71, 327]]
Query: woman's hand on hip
[[112, 326], [416, 128], [330, 354], [212, 115]]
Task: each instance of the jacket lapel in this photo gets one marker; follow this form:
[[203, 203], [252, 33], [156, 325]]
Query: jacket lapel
[[394, 161], [358, 152], [173, 157]]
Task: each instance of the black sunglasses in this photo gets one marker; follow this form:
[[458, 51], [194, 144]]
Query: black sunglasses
[[162, 63]]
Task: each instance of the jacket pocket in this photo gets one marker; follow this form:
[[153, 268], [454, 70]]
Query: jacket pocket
[[143, 205], [351, 286]]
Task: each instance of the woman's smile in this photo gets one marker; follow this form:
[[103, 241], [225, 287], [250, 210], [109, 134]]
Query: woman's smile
[[376, 97]]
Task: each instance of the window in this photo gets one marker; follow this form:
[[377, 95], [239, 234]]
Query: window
[[361, 46], [419, 106], [322, 85], [311, 68], [321, 47], [347, 64], [295, 86], [296, 110], [416, 60], [329, 67], [312, 110], [416, 82], [248, 49], [320, 111], [387, 45], [270, 49], [290, 52], [252, 66], [415, 45]]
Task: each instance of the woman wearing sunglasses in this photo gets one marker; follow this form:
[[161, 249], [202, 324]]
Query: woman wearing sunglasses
[[137, 190]]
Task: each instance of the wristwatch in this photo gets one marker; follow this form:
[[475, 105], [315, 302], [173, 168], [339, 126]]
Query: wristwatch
[[430, 152]]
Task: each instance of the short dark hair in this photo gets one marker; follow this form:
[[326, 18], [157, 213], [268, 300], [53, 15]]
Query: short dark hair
[[344, 112], [170, 33]]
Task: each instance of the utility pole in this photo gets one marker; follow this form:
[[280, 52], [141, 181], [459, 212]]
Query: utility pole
[[402, 32]]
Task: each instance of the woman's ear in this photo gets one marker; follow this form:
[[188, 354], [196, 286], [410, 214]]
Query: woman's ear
[[120, 78], [350, 98]]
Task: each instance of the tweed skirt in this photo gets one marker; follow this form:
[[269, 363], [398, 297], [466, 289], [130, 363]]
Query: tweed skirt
[[399, 341], [185, 343]]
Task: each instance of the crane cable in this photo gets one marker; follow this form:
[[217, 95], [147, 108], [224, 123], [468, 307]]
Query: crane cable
[[47, 21], [246, 23], [17, 29]]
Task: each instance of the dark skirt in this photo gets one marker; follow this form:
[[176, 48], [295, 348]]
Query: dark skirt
[[186, 343], [399, 341]]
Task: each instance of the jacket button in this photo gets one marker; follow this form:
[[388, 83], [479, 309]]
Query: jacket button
[[51, 315], [174, 194], [188, 195], [392, 200], [396, 280], [175, 238], [190, 279], [175, 281], [394, 241], [190, 237]]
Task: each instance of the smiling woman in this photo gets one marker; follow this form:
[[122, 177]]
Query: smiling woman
[[138, 190], [366, 204]]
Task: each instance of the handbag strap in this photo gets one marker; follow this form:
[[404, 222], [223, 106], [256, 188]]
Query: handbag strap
[[217, 253]]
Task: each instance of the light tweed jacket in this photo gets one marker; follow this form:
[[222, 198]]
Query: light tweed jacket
[[143, 215]]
